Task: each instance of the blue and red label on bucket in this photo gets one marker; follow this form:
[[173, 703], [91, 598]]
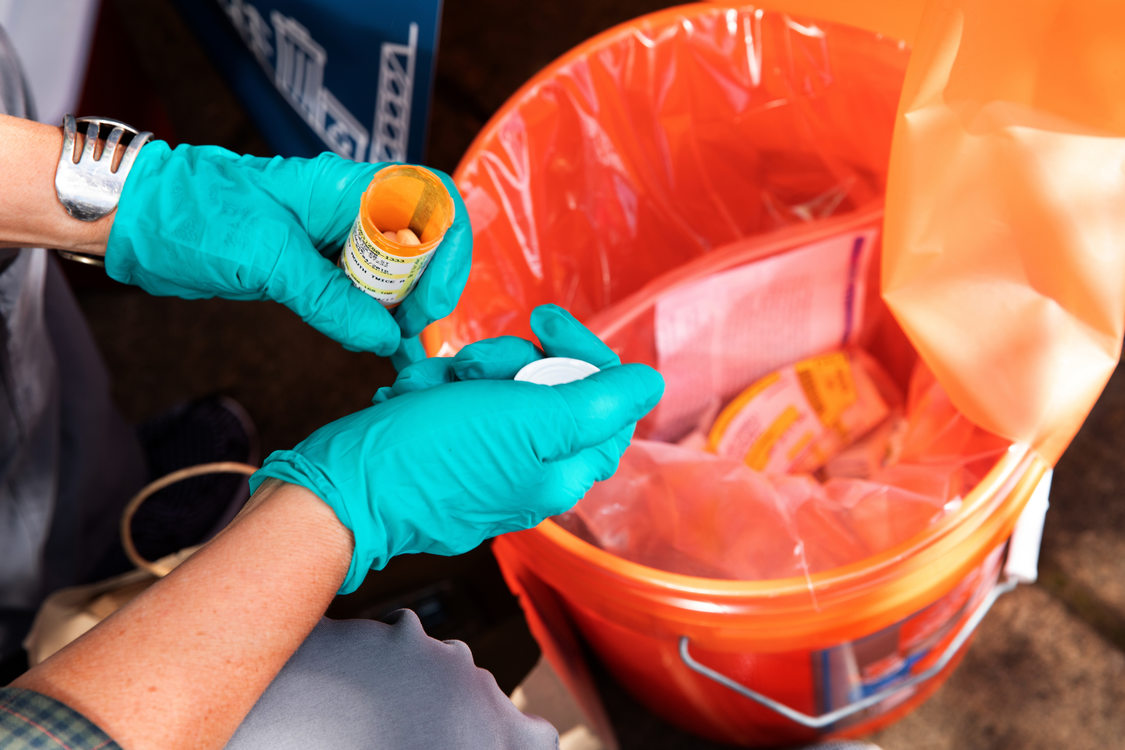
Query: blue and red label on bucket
[[877, 662]]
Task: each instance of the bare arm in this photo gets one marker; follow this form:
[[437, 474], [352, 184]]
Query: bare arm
[[182, 665], [30, 213]]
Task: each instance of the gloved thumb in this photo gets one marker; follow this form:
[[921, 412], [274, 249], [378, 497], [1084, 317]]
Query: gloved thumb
[[498, 358], [324, 297], [602, 405], [562, 335], [441, 285]]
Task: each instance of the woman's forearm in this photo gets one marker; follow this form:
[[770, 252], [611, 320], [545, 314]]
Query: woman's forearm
[[30, 213], [181, 665]]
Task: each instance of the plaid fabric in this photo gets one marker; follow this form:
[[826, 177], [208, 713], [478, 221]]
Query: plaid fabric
[[29, 720]]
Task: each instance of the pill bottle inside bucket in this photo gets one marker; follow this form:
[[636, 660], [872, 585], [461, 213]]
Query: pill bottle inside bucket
[[380, 257]]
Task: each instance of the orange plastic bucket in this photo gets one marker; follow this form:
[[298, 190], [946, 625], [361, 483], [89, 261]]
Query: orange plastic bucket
[[642, 151], [761, 664]]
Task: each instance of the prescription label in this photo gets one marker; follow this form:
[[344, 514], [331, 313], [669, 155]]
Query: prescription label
[[383, 275], [829, 388], [797, 418], [768, 426]]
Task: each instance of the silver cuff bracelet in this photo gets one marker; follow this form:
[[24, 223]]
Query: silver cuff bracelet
[[88, 186]]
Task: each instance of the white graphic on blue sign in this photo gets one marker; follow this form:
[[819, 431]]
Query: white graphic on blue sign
[[296, 63]]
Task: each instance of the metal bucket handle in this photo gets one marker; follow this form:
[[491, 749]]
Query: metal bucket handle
[[819, 722]]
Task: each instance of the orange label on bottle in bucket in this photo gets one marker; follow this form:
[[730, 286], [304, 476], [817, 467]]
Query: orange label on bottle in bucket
[[759, 454], [795, 419], [829, 387]]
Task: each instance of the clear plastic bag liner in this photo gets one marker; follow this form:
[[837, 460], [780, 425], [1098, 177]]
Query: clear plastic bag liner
[[705, 190], [683, 510]]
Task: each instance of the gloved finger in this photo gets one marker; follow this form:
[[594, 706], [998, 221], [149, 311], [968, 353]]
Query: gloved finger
[[598, 407], [561, 335], [323, 296], [419, 376], [568, 480], [410, 350], [441, 284], [497, 358]]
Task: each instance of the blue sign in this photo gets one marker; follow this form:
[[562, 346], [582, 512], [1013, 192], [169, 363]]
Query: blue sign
[[350, 76]]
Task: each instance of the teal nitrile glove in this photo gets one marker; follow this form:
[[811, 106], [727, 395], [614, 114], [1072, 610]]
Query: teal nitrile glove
[[201, 221], [443, 468]]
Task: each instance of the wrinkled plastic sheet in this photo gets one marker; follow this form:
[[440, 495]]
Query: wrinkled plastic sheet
[[651, 151], [678, 508]]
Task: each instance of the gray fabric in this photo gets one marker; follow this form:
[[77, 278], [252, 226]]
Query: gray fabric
[[13, 88], [68, 462], [101, 463], [367, 684], [29, 442]]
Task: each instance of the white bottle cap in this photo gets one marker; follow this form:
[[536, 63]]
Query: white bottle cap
[[555, 371]]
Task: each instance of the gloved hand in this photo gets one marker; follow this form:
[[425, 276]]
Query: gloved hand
[[201, 221], [440, 468]]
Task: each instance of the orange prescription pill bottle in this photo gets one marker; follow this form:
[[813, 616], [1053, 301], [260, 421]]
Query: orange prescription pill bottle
[[399, 197], [797, 418]]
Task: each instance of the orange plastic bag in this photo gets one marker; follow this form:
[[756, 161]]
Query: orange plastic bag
[[1004, 202], [730, 125], [1003, 192]]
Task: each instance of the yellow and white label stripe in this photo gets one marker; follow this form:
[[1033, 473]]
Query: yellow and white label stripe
[[385, 276]]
